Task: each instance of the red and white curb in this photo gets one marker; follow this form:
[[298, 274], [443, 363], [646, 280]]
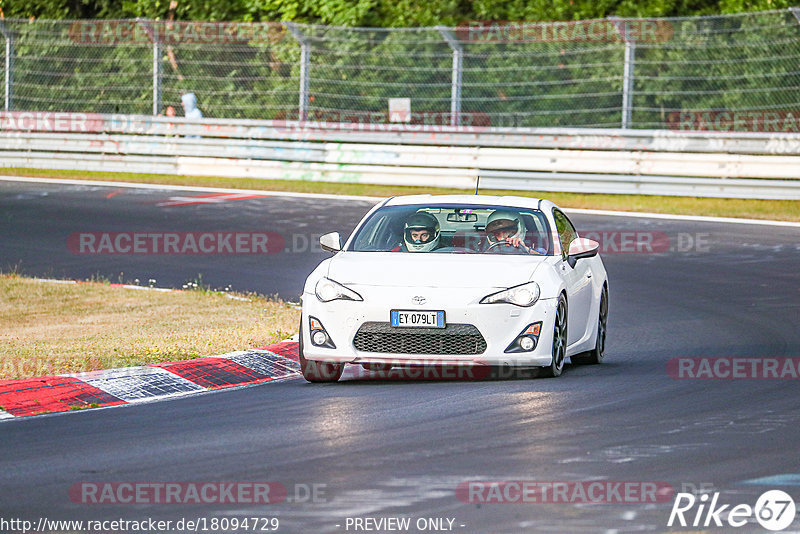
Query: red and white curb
[[127, 385]]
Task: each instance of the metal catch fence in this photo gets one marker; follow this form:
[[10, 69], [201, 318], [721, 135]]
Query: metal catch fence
[[732, 72]]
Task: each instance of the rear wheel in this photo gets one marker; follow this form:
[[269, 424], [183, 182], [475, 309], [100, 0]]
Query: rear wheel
[[559, 340], [315, 371], [595, 355]]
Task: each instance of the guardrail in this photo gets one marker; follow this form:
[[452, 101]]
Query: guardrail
[[714, 164]]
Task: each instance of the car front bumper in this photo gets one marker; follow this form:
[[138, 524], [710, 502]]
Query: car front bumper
[[498, 324]]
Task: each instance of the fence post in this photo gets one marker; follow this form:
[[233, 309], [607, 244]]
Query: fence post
[[305, 62], [627, 88], [156, 77], [627, 73], [796, 12], [8, 83], [455, 88]]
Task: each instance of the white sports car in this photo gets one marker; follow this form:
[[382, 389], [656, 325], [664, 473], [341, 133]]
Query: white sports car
[[455, 280]]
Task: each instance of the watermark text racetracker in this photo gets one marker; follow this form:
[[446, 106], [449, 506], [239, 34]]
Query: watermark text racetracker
[[175, 243], [734, 368], [111, 32], [648, 241], [226, 242], [721, 120], [192, 493], [147, 525], [51, 121], [584, 31], [556, 492], [190, 243]]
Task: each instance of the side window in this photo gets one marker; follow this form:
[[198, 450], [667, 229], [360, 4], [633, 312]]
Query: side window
[[375, 235], [566, 232], [536, 231]]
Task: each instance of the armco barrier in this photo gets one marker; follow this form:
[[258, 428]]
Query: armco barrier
[[733, 165]]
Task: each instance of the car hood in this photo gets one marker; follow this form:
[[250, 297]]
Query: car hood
[[432, 270]]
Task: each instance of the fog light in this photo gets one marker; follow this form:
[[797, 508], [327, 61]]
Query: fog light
[[319, 338], [526, 343], [526, 340]]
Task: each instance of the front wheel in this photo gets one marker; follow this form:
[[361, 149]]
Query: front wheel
[[315, 371], [595, 355], [559, 340]]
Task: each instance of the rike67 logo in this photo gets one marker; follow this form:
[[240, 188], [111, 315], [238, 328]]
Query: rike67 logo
[[774, 510]]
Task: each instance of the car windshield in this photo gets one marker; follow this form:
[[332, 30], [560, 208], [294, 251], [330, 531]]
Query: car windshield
[[448, 228]]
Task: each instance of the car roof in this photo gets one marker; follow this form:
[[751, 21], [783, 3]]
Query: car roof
[[508, 200]]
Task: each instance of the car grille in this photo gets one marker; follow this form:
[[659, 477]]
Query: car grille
[[453, 339]]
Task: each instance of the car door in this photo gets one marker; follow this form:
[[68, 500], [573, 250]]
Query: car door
[[577, 280]]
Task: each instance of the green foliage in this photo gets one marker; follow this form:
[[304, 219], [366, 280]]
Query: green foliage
[[746, 62], [377, 13]]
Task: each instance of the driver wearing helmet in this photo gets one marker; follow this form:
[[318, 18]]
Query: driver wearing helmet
[[420, 233], [505, 229]]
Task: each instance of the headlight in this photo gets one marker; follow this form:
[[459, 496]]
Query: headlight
[[524, 295], [328, 290]]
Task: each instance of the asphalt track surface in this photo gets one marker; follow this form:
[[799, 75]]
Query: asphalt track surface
[[37, 220], [392, 448]]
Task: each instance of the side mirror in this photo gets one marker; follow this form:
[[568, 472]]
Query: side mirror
[[331, 242], [581, 247]]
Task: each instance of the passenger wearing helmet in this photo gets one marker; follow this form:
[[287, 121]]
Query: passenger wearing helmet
[[505, 229], [420, 233]]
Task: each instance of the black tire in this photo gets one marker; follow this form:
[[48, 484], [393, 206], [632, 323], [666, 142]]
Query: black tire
[[559, 341], [595, 356], [317, 372]]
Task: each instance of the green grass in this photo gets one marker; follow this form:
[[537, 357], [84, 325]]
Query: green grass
[[48, 328], [84, 407], [785, 210]]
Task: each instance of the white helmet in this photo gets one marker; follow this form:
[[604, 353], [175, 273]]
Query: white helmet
[[502, 220], [421, 221]]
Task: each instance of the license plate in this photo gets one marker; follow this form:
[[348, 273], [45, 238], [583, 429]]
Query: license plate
[[418, 319]]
